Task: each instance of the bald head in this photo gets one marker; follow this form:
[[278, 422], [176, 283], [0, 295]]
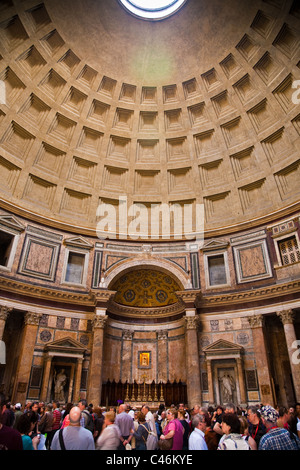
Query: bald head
[[74, 416], [122, 408]]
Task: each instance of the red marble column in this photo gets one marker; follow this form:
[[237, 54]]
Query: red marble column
[[96, 365], [261, 359], [25, 358], [192, 361]]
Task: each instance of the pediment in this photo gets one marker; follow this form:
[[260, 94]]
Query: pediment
[[11, 222], [79, 242], [222, 346], [67, 344], [214, 244]]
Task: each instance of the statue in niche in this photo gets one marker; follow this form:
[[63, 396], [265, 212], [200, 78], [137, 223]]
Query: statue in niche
[[60, 381], [227, 387]]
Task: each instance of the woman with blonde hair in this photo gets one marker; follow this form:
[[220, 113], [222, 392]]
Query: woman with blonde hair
[[109, 438]]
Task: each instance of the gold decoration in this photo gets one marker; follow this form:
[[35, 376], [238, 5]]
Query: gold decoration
[[146, 288]]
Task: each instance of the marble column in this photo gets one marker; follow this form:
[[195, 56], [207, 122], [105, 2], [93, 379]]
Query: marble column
[[78, 379], [4, 312], [25, 357], [240, 371], [126, 355], [192, 361], [211, 395], [287, 318], [261, 358], [102, 298], [96, 366], [46, 378]]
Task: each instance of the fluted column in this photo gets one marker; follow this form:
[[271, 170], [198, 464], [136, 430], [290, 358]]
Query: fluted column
[[4, 312], [25, 358], [96, 363], [287, 318], [192, 361], [261, 357]]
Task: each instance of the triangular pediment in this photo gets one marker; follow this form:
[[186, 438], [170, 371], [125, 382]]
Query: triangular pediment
[[214, 244], [222, 346], [66, 344], [79, 242], [11, 222]]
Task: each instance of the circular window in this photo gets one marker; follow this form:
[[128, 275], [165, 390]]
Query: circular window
[[152, 9]]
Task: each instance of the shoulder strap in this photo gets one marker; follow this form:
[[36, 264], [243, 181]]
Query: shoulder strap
[[61, 440], [145, 428]]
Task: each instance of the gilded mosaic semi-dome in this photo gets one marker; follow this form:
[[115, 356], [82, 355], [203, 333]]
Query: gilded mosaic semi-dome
[[198, 108]]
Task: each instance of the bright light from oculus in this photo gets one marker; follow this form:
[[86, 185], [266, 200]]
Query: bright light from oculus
[[152, 9]]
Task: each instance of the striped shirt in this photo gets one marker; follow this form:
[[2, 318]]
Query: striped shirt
[[56, 419]]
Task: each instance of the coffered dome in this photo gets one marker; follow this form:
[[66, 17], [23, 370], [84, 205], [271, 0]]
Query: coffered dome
[[198, 108]]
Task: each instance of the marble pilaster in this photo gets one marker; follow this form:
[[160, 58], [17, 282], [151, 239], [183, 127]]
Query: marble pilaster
[[126, 355]]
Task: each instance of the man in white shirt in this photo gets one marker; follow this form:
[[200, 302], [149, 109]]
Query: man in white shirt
[[197, 437], [149, 418]]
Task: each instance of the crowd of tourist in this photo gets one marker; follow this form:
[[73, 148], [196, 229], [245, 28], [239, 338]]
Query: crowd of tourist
[[81, 426]]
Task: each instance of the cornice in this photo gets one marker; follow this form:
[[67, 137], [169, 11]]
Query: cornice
[[46, 293], [157, 312], [91, 231], [94, 298], [253, 295]]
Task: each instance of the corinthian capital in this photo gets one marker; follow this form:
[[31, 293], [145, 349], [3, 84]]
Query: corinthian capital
[[286, 316], [4, 312], [192, 323], [100, 321], [32, 318], [257, 321]]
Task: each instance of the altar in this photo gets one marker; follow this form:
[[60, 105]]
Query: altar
[[136, 393]]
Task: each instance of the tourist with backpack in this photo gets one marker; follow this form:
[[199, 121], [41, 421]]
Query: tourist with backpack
[[87, 420], [142, 432]]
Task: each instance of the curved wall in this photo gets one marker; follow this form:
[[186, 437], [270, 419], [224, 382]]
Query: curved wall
[[79, 129]]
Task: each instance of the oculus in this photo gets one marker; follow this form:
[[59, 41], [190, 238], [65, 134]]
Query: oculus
[[152, 9]]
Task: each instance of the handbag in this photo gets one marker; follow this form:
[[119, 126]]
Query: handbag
[[165, 444]]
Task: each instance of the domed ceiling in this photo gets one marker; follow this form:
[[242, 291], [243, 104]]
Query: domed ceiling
[[198, 108], [145, 288]]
